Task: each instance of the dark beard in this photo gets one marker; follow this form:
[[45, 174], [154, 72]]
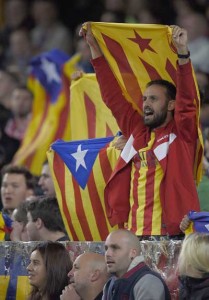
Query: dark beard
[[157, 121]]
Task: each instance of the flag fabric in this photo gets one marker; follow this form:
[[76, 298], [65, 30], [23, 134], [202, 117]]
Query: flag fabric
[[89, 116], [80, 171], [5, 225], [49, 80], [137, 54], [200, 221]]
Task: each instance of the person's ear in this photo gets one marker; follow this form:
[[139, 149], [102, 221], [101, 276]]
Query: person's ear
[[39, 223], [171, 105], [133, 253], [95, 275]]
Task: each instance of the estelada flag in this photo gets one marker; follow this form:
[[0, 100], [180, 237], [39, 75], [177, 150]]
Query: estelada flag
[[80, 171], [49, 81], [137, 54], [89, 116]]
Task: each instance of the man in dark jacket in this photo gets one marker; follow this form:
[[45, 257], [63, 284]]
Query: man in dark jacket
[[131, 277]]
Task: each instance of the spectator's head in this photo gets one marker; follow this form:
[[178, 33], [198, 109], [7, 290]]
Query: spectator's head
[[44, 220], [8, 81], [21, 101], [16, 13], [89, 275], [47, 272], [121, 247], [20, 44], [46, 182], [159, 112], [193, 259], [202, 80], [17, 184], [19, 217], [113, 17], [45, 12], [195, 23]]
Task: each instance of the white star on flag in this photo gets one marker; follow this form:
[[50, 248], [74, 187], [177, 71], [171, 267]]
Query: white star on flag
[[207, 226], [50, 70], [79, 157]]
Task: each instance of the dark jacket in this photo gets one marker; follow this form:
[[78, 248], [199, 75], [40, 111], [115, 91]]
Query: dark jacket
[[123, 288], [193, 288]]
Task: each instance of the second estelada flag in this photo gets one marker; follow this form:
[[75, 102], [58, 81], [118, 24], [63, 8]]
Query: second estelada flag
[[80, 171]]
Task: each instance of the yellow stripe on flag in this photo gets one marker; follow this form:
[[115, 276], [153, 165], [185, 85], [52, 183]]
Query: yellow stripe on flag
[[89, 115]]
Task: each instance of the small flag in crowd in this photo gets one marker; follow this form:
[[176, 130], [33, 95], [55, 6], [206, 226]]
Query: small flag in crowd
[[5, 225], [49, 80], [200, 221]]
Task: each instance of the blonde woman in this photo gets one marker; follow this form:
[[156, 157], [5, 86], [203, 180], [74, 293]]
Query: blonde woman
[[193, 267]]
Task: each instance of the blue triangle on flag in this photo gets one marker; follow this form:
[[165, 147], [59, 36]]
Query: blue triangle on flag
[[79, 156], [47, 69]]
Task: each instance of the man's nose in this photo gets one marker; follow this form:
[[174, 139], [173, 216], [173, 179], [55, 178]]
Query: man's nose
[[70, 274], [40, 181], [29, 267], [108, 252]]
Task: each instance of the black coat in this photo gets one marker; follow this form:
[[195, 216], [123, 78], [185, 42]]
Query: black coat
[[194, 288]]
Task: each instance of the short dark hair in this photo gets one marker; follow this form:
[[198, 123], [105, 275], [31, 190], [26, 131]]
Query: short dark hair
[[58, 264], [21, 213], [29, 178], [170, 87], [47, 209]]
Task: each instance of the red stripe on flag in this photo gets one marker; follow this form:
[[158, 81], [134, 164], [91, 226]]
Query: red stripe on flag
[[109, 131], [126, 71], [97, 208], [171, 70], [91, 116], [153, 74], [80, 212], [64, 114], [59, 171]]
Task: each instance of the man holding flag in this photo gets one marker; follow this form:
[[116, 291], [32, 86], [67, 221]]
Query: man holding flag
[[161, 148]]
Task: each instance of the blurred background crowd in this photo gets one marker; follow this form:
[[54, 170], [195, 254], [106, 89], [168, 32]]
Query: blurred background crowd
[[31, 27]]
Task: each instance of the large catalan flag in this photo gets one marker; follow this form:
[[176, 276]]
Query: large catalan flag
[[138, 53], [89, 116], [49, 81], [80, 171]]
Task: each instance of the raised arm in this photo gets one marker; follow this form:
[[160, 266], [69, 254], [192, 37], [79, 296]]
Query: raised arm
[[91, 41], [185, 107], [180, 40]]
